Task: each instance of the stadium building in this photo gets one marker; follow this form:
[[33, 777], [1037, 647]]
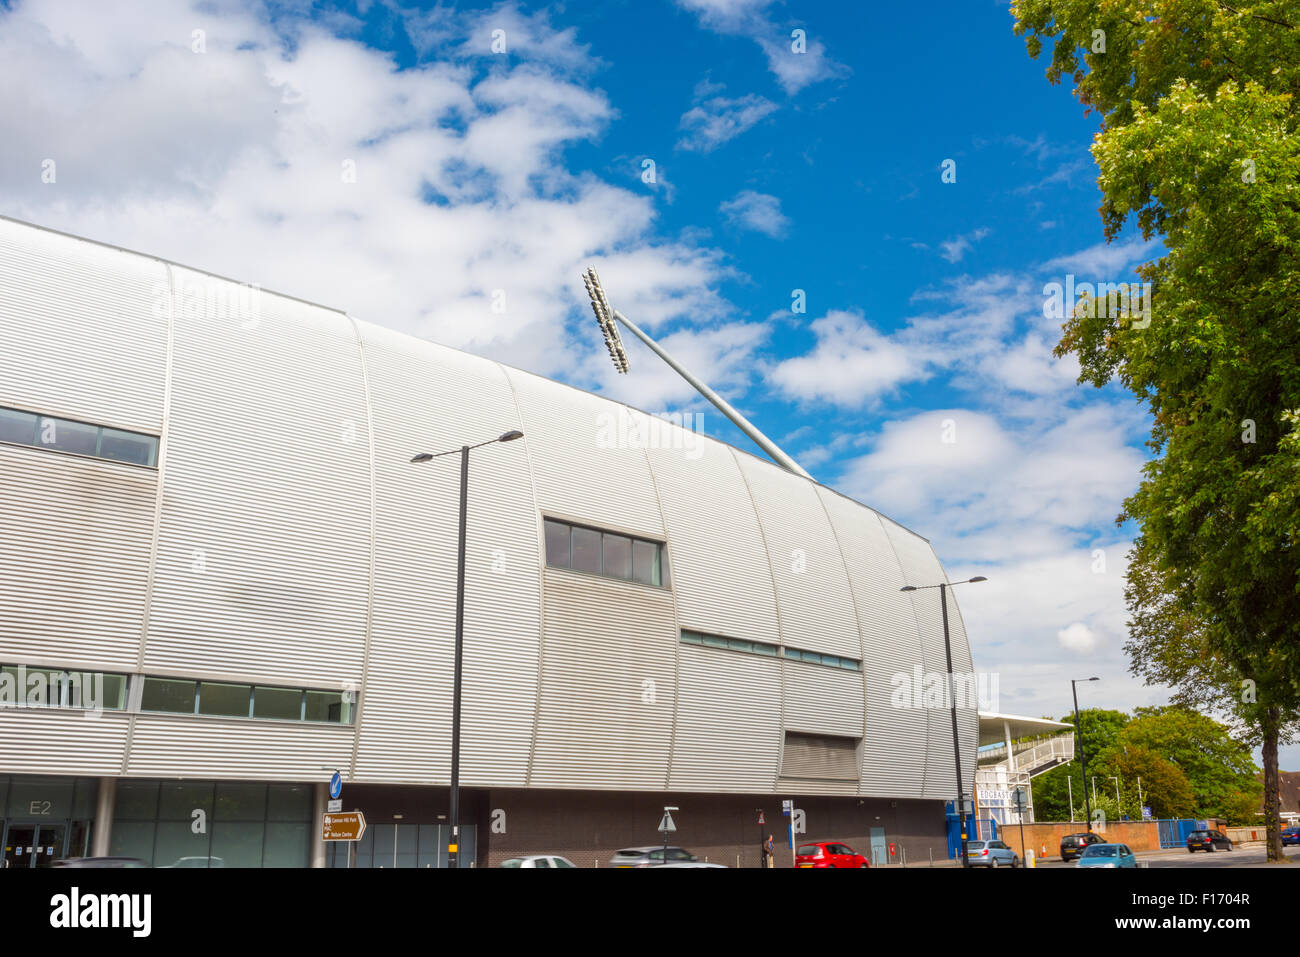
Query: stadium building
[[222, 579]]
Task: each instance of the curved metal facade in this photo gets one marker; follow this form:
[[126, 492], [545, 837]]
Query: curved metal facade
[[285, 537]]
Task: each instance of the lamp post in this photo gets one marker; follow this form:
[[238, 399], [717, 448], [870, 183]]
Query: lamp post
[[956, 749], [453, 846], [1083, 758]]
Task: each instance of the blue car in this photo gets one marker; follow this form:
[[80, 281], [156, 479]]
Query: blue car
[[1107, 855], [1290, 835]]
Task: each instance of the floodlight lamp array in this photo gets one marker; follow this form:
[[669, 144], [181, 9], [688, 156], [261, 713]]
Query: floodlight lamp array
[[605, 319]]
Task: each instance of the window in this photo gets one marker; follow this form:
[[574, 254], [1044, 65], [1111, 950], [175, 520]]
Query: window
[[32, 687], [230, 700], [819, 756], [731, 644], [331, 706], [829, 661], [166, 694], [78, 438], [604, 553], [225, 700], [282, 703]]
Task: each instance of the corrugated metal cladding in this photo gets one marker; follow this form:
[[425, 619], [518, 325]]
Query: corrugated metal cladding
[[819, 758], [287, 538]]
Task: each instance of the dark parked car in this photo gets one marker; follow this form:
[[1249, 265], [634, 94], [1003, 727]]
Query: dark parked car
[[1290, 835], [1072, 845], [1207, 841], [99, 862], [651, 857]]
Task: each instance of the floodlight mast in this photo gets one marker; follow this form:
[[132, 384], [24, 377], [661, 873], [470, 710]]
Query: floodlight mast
[[606, 316]]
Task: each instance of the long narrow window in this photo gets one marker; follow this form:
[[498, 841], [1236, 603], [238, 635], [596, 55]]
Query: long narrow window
[[762, 648], [18, 427], [610, 554]]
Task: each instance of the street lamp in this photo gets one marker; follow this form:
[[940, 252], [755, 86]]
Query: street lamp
[[956, 749], [453, 847], [1083, 757]]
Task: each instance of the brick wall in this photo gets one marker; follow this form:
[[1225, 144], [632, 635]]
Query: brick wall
[[1138, 835]]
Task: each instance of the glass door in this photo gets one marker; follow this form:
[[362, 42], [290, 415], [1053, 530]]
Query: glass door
[[20, 842], [49, 844]]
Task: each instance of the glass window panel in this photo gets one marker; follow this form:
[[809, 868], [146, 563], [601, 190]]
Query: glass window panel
[[557, 544], [769, 650], [176, 845], [330, 706], [17, 426], [428, 856], [289, 802], [128, 447], [66, 436], [168, 694], [691, 638], [178, 800], [618, 556], [406, 845], [135, 801], [237, 843], [240, 802], [830, 660], [132, 839], [645, 563], [283, 703], [736, 644], [83, 799], [41, 687], [228, 700], [49, 798], [93, 689], [714, 641], [287, 845], [586, 550]]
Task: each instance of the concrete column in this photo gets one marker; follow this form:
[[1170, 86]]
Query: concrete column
[[1006, 735], [105, 802], [318, 815]]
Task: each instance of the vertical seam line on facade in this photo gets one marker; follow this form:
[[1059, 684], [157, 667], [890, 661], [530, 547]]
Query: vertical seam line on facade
[[677, 622], [857, 621], [541, 573], [163, 436], [920, 645], [370, 590], [776, 604]]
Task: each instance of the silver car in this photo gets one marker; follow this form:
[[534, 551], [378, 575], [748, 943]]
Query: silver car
[[991, 854], [653, 856], [539, 860]]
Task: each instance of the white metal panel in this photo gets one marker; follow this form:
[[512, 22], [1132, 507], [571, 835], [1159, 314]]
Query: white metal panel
[[720, 571], [74, 557], [894, 747], [53, 741], [822, 700], [599, 725], [427, 398], [588, 462], [812, 588], [83, 331], [728, 721], [921, 567], [264, 543], [199, 746]]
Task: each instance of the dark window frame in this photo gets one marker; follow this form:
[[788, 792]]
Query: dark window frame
[[549, 522]]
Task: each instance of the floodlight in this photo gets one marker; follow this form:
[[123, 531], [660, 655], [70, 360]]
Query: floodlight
[[605, 319]]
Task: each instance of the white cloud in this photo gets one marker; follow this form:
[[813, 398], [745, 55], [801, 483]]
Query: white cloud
[[852, 363], [757, 211], [715, 120], [954, 249], [748, 18], [1077, 638]]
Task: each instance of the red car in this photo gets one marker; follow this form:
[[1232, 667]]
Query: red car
[[828, 854]]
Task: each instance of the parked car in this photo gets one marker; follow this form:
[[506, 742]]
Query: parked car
[[691, 864], [99, 862], [539, 860], [1072, 845], [1207, 841], [651, 857], [990, 854], [202, 861], [828, 854], [1107, 855], [1290, 835]]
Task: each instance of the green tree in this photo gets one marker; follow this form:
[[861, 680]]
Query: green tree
[[1164, 785], [1200, 143]]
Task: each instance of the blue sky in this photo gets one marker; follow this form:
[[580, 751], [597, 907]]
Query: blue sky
[[920, 378]]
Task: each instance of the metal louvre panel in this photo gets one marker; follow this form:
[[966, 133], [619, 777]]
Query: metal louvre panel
[[720, 571], [815, 605], [83, 330], [922, 567], [604, 638], [823, 700], [728, 721], [587, 466], [62, 742], [182, 746], [427, 398], [819, 757], [894, 746], [74, 558], [264, 543]]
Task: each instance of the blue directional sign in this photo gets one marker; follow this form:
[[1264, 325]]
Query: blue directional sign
[[336, 785]]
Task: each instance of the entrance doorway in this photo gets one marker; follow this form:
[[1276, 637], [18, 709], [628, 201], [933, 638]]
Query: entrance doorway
[[33, 845]]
